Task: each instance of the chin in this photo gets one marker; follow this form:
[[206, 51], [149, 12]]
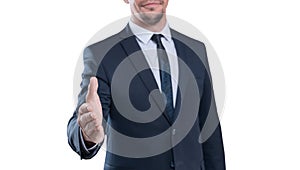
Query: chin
[[151, 18]]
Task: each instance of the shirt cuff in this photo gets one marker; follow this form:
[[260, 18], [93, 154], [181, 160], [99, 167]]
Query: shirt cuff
[[83, 143]]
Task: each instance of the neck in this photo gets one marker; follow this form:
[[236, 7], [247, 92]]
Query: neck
[[157, 27]]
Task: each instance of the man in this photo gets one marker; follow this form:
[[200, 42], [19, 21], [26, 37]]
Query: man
[[148, 88]]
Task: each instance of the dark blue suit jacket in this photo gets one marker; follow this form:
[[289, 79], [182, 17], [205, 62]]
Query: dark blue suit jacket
[[186, 152]]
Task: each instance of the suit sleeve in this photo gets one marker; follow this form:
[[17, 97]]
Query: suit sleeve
[[213, 149], [73, 130]]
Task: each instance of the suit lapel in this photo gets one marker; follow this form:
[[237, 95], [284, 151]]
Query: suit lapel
[[139, 62], [132, 49], [183, 78]]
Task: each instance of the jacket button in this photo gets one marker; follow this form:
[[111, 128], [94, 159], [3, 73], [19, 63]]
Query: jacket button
[[173, 131], [172, 165]]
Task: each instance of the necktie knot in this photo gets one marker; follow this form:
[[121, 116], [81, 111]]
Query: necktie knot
[[157, 39]]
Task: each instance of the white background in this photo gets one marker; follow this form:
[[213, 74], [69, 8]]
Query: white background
[[257, 43]]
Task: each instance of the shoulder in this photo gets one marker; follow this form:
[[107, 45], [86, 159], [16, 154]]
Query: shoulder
[[189, 44], [97, 51], [193, 49], [107, 43], [187, 40]]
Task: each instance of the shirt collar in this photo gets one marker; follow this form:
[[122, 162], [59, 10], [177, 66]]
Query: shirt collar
[[145, 35]]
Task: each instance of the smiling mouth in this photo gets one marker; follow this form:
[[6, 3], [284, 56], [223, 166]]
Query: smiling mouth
[[151, 5]]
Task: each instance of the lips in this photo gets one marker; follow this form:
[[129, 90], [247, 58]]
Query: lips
[[151, 4]]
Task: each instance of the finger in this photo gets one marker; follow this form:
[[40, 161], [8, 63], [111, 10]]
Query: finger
[[92, 126], [84, 119], [93, 129], [92, 89], [85, 108]]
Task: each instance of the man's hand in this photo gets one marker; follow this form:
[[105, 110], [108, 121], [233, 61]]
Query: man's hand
[[90, 115]]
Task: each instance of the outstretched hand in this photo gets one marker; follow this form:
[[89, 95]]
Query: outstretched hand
[[90, 115]]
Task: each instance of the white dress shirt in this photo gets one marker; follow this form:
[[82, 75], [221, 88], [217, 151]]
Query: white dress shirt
[[149, 49]]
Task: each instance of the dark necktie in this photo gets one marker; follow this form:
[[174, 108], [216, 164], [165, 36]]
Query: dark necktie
[[165, 77]]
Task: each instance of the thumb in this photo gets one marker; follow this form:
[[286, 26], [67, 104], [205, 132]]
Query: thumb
[[92, 89]]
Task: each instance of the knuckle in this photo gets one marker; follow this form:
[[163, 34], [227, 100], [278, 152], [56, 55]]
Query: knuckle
[[79, 121], [92, 115], [97, 123], [99, 128], [82, 107], [89, 108]]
